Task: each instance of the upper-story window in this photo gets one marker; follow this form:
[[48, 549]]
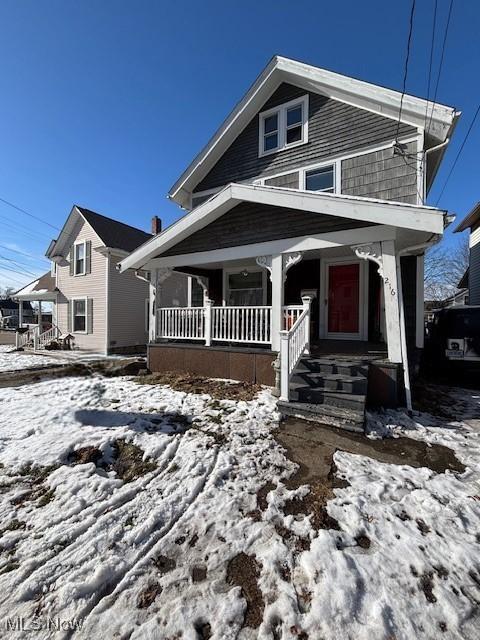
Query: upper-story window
[[284, 126], [321, 179], [79, 267]]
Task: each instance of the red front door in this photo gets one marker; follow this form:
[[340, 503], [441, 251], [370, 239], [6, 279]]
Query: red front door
[[343, 298]]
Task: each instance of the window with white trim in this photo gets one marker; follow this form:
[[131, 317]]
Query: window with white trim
[[79, 315], [321, 179], [284, 126], [79, 265]]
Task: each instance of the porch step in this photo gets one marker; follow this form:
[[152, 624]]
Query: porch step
[[326, 414], [333, 366], [330, 382], [329, 390]]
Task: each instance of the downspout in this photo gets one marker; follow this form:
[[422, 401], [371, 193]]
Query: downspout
[[427, 151], [403, 337]]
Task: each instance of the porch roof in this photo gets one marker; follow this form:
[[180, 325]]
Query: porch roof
[[43, 288], [355, 209]]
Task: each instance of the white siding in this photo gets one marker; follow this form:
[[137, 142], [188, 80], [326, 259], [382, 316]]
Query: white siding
[[126, 302], [91, 285]]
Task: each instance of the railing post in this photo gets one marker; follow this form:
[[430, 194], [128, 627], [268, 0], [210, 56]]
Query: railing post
[[208, 321], [307, 301], [35, 339], [17, 340], [284, 366]]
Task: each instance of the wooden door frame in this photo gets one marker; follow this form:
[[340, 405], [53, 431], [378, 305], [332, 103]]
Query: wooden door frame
[[362, 299]]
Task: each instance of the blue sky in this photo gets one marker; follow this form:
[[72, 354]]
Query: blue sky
[[105, 102]]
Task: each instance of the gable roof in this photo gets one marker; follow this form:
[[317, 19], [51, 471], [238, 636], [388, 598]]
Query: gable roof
[[358, 93], [408, 216], [470, 220], [43, 284], [113, 234]]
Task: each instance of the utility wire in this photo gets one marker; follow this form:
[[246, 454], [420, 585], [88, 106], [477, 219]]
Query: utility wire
[[441, 62], [23, 227], [20, 266], [18, 273], [431, 59], [19, 232], [458, 154], [22, 253], [405, 72], [14, 206]]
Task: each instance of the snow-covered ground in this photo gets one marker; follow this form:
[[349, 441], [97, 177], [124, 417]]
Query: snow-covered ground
[[11, 360], [148, 558]]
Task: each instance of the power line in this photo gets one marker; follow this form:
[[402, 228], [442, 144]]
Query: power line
[[405, 72], [20, 266], [22, 253], [458, 154], [24, 228], [18, 273], [431, 59], [9, 277], [14, 206], [19, 232], [441, 62]]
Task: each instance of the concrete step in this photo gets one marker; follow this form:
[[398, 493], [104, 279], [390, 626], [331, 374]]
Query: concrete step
[[330, 366], [331, 381], [324, 414]]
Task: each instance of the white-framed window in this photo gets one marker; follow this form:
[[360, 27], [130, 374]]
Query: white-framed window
[[320, 179], [283, 127], [245, 287], [79, 315], [324, 178], [79, 258]]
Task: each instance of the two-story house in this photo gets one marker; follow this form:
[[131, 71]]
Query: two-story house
[[102, 310], [306, 230]]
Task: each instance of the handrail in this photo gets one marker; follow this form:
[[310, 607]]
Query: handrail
[[294, 342], [42, 339]]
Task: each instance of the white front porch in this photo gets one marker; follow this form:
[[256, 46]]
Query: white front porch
[[333, 305]]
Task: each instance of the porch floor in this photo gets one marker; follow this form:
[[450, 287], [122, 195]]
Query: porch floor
[[357, 349]]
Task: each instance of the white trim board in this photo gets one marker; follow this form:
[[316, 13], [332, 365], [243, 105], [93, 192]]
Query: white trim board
[[380, 212], [288, 245], [365, 95]]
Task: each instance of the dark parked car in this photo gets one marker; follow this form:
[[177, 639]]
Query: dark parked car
[[453, 335]]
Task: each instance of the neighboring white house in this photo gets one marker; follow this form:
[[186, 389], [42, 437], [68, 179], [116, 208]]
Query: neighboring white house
[[471, 280], [103, 310]]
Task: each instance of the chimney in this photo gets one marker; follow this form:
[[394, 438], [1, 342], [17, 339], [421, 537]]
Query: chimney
[[156, 225]]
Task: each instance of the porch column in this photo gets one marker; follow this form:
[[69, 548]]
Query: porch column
[[276, 275], [20, 313], [383, 254], [158, 277], [40, 323]]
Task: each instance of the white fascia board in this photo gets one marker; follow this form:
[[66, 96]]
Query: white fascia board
[[286, 245], [358, 93], [188, 224], [353, 207], [379, 212]]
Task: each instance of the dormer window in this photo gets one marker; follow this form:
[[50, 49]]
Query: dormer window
[[283, 127]]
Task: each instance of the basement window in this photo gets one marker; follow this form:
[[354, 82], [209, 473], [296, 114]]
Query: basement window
[[283, 127]]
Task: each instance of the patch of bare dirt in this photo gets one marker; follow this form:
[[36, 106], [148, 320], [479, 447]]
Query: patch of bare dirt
[[128, 461], [199, 574], [203, 630], [148, 595], [314, 503], [85, 455], [197, 384], [164, 564], [243, 571]]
